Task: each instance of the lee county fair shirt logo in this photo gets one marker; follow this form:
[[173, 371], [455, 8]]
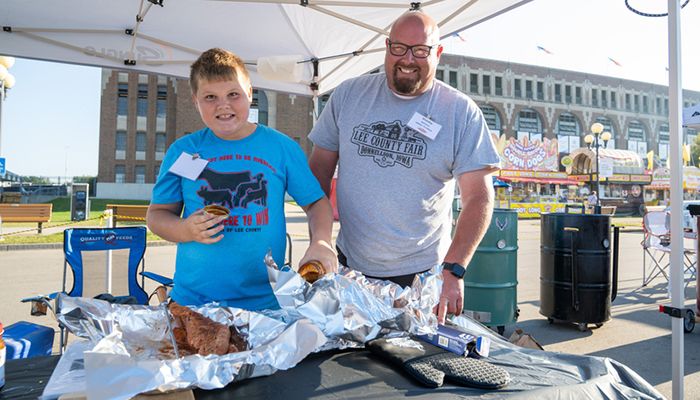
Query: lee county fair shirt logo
[[389, 143]]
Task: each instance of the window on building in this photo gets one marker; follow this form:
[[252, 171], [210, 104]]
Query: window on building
[[636, 138], [493, 120], [453, 79], [613, 100], [579, 95], [140, 146], [120, 145], [604, 98], [529, 124], [636, 102], [119, 173], [658, 105], [498, 82], [664, 139], [160, 146], [474, 83], [529, 94], [440, 74], [666, 105], [557, 92], [142, 100], [517, 88], [140, 174], [122, 99], [540, 90], [645, 104], [486, 84], [156, 172], [260, 103], [568, 133], [628, 102], [594, 97], [567, 94], [162, 101]]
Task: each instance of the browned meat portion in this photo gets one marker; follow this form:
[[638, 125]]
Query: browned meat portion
[[237, 342], [202, 334]]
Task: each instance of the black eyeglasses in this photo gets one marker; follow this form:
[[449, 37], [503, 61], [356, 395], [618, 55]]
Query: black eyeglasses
[[399, 49]]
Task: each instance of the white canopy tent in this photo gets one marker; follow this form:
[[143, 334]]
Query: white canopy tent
[[166, 36], [341, 38]]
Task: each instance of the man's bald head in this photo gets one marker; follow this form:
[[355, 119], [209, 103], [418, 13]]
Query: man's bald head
[[411, 34], [418, 18]]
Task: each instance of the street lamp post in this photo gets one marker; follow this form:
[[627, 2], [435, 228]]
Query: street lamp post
[[7, 81], [592, 140]]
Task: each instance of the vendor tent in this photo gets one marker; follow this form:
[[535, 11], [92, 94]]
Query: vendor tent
[[331, 40], [283, 41]]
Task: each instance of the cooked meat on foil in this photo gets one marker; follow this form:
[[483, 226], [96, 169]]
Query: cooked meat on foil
[[197, 334]]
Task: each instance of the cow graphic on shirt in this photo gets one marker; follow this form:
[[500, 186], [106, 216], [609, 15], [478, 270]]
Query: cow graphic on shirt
[[233, 189]]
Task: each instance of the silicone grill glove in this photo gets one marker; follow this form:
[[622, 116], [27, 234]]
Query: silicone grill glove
[[430, 365]]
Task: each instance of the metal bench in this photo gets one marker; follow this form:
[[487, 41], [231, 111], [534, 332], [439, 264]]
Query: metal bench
[[38, 213]]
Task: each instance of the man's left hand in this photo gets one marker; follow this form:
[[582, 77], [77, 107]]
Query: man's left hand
[[451, 298]]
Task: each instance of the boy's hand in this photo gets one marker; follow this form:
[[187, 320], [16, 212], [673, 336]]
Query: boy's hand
[[321, 251], [201, 228]]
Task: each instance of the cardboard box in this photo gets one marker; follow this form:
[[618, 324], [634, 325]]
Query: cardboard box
[[459, 342]]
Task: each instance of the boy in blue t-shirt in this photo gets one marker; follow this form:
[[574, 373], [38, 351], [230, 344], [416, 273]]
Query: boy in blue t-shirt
[[249, 168]]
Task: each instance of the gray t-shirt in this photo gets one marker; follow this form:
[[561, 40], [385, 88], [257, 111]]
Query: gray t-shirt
[[395, 186]]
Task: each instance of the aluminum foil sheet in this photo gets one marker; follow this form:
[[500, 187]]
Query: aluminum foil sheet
[[351, 309], [131, 351]]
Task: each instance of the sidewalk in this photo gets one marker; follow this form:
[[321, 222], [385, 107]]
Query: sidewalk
[[636, 335]]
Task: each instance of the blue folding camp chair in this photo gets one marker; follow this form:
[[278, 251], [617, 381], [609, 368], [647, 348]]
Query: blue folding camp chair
[[77, 242]]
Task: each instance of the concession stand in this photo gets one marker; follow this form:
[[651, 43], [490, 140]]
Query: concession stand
[[532, 169], [657, 192], [622, 186]]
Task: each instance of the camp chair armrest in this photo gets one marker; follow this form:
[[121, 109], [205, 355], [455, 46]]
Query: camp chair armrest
[[158, 278]]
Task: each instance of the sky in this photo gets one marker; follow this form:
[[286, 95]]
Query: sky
[[50, 119]]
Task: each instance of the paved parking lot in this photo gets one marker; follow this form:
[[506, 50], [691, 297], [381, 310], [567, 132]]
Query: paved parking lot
[[636, 335]]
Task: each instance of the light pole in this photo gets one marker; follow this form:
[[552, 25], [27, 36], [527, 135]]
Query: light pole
[[7, 81], [593, 140]]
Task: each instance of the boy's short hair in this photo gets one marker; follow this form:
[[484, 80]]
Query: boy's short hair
[[217, 64]]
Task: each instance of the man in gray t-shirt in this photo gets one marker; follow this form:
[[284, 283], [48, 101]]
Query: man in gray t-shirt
[[400, 140]]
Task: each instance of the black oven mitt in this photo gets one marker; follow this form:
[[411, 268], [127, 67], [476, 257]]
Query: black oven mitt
[[430, 365]]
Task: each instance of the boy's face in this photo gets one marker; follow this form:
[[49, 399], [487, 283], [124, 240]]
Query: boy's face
[[224, 106]]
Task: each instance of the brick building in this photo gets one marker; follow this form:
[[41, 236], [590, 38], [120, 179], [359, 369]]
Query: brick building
[[142, 114]]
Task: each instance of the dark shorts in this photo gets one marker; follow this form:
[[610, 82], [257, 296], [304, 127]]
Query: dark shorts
[[401, 280]]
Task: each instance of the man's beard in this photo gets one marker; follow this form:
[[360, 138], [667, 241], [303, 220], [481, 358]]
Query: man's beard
[[406, 86]]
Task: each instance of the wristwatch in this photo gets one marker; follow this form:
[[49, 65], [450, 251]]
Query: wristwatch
[[456, 269]]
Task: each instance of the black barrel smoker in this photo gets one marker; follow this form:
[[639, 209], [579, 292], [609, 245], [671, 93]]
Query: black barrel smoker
[[575, 280]]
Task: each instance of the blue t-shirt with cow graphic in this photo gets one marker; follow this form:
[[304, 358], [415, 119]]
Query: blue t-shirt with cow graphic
[[249, 177]]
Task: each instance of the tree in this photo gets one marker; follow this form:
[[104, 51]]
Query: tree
[[695, 151]]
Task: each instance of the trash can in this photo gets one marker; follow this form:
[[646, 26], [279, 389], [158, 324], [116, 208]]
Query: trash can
[[576, 284], [490, 284]]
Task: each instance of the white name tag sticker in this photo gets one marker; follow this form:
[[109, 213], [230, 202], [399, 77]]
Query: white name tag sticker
[[188, 166], [424, 125]]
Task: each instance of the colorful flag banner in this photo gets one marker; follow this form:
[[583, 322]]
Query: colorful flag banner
[[458, 36], [545, 50], [614, 62]]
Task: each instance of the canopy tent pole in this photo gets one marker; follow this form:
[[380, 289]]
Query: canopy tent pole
[[675, 93]]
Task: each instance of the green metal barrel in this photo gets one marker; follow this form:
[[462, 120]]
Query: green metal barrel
[[490, 285]]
